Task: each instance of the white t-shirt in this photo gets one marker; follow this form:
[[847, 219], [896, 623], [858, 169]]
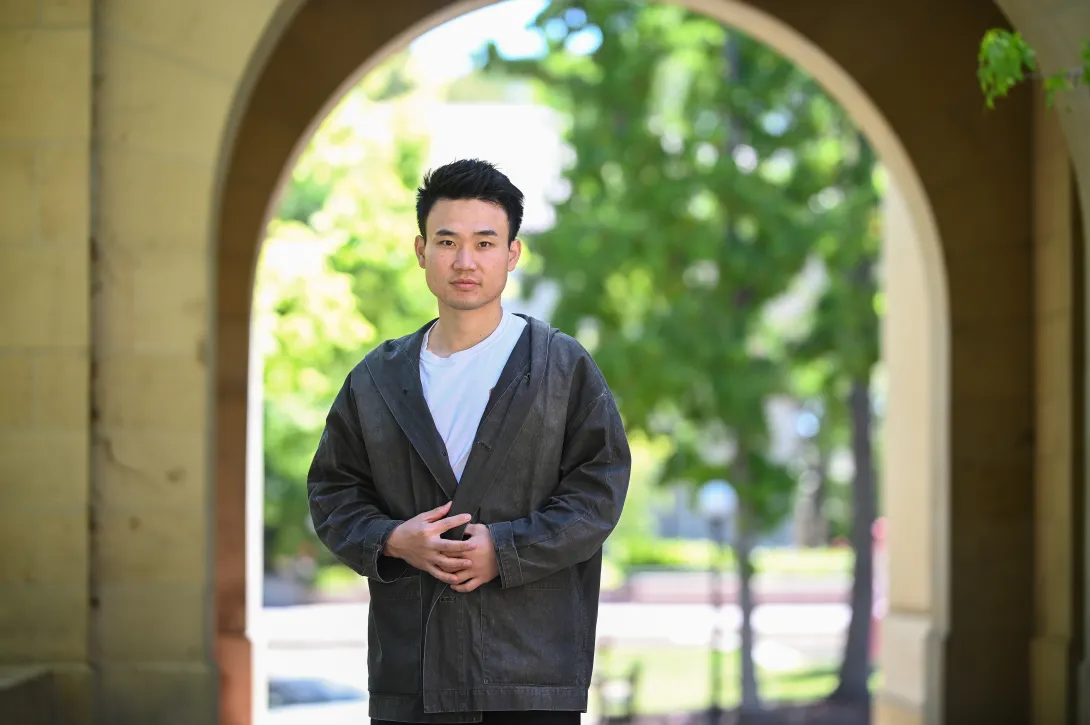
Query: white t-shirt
[[457, 387]]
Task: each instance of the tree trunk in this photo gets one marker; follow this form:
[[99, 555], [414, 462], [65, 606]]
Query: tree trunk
[[743, 549], [821, 519], [855, 668], [812, 523]]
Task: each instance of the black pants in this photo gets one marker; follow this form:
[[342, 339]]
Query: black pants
[[525, 717]]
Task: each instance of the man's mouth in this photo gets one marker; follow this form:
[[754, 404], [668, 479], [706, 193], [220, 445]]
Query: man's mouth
[[464, 284]]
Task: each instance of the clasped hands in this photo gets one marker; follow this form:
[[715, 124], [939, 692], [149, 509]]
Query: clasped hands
[[464, 565]]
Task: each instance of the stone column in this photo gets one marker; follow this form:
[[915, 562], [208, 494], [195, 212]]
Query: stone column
[[1059, 411], [914, 477], [45, 414]]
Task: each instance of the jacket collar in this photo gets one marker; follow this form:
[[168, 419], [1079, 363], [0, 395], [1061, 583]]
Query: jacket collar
[[395, 370]]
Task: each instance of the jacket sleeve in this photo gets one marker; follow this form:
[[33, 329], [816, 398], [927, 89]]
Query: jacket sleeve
[[348, 513], [576, 520]]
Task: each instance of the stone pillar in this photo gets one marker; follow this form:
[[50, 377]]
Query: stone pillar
[[913, 477], [45, 128], [161, 96], [1059, 411]]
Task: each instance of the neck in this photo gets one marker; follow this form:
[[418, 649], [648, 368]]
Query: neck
[[459, 330]]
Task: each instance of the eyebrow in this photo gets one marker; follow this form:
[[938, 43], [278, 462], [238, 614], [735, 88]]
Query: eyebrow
[[478, 233]]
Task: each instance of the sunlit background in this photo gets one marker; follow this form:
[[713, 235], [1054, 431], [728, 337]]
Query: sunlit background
[[705, 220]]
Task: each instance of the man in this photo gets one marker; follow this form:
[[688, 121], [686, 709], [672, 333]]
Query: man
[[472, 471]]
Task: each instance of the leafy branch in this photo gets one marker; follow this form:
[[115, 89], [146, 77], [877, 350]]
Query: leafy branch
[[1005, 60]]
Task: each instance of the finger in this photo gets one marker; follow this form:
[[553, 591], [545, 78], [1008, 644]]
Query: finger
[[436, 513], [467, 586], [444, 576], [443, 546], [453, 565], [451, 522]]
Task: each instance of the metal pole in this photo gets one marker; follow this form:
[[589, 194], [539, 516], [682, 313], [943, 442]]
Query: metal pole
[[717, 622]]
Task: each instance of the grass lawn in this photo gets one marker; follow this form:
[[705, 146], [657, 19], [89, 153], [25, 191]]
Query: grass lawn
[[696, 554], [675, 679]]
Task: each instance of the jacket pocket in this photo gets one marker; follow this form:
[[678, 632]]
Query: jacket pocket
[[534, 634], [393, 637]]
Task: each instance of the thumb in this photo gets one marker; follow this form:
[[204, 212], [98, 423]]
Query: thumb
[[436, 513]]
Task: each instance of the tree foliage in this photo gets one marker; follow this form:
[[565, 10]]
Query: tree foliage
[[1004, 60], [337, 276], [704, 176]]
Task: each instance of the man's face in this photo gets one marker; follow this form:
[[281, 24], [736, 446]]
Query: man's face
[[465, 256]]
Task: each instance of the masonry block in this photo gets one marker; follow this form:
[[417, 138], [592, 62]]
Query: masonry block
[[45, 81], [170, 291], [1054, 503], [137, 192], [180, 693], [1050, 661], [153, 102], [43, 622], [1054, 570], [1053, 262], [67, 12], [211, 35], [164, 393], [18, 198], [149, 622], [152, 546], [16, 391], [18, 13], [44, 297], [146, 470], [65, 193], [49, 468], [62, 390], [42, 545]]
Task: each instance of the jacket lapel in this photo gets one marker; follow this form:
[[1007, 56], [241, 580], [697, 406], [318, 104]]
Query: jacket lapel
[[396, 372], [498, 430]]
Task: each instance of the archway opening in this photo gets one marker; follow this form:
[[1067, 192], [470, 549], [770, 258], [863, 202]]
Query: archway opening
[[345, 207], [923, 628]]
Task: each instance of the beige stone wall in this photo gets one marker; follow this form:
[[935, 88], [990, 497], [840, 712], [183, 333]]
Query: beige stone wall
[[45, 128]]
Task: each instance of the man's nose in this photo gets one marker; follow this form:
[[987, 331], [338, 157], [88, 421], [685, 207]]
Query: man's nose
[[464, 259]]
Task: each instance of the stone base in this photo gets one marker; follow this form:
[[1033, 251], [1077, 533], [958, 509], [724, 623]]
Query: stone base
[[169, 693], [26, 696], [888, 711]]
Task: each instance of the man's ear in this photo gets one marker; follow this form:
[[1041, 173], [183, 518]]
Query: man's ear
[[419, 245], [514, 252]]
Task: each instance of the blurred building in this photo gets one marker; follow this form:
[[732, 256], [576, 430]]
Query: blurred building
[[140, 144]]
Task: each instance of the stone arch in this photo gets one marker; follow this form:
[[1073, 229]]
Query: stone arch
[[965, 188]]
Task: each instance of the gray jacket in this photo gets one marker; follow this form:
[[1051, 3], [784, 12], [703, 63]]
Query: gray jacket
[[548, 475]]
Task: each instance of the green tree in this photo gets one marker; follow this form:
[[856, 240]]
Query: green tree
[[703, 176], [337, 276]]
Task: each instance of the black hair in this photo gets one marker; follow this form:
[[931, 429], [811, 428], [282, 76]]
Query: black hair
[[470, 179]]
